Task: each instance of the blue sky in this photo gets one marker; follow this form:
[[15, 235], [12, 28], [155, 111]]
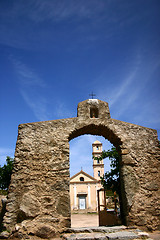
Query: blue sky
[[54, 53]]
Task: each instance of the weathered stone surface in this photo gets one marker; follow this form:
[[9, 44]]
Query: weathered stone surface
[[97, 229], [29, 206], [122, 235], [4, 235], [3, 201], [45, 232], [85, 236], [39, 187], [143, 234]]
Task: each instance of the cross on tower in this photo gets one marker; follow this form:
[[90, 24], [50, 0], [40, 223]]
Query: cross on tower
[[92, 95]]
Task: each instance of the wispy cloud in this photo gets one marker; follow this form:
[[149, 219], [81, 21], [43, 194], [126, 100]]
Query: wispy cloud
[[38, 105], [128, 90], [122, 88], [26, 76], [28, 16], [62, 111], [30, 85], [39, 10], [134, 94]]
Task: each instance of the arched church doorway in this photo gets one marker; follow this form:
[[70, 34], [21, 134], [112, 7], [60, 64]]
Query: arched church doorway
[[86, 171]]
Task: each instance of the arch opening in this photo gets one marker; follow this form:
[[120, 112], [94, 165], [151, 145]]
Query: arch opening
[[94, 130], [99, 130]]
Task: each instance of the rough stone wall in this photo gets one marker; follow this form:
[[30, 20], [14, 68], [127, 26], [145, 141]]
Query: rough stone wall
[[140, 174], [39, 202]]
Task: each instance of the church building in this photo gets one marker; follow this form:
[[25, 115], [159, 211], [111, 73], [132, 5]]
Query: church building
[[83, 187]]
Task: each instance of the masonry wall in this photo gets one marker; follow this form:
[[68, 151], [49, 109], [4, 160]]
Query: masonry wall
[[38, 201]]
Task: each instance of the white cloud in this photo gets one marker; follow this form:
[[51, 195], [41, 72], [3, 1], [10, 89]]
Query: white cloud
[[27, 77], [4, 152], [56, 10], [27, 17], [38, 105], [128, 89], [124, 84], [123, 88], [29, 85], [62, 111]]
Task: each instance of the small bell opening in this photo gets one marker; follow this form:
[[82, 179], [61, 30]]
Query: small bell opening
[[94, 113]]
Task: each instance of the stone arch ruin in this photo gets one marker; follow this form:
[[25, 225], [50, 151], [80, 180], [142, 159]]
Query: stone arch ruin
[[38, 200]]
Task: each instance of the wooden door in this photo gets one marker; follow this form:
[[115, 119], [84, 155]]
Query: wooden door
[[105, 218]]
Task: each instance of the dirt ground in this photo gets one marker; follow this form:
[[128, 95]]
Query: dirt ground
[[84, 220], [91, 220], [155, 235]]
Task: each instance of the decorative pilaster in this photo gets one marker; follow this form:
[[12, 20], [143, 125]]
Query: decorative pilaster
[[89, 196], [75, 192]]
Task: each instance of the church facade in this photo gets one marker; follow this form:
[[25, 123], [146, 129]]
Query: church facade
[[83, 187]]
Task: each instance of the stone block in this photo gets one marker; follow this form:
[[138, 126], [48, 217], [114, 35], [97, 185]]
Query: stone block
[[122, 235]]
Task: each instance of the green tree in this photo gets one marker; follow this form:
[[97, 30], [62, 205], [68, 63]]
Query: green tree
[[110, 180], [5, 173]]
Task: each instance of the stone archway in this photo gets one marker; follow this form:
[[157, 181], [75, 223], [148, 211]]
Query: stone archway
[[108, 134], [128, 177], [38, 199]]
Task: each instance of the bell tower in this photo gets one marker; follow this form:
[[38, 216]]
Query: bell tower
[[98, 166]]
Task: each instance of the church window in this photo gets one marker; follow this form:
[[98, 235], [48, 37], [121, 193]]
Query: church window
[[97, 147], [97, 160], [98, 173], [81, 179]]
